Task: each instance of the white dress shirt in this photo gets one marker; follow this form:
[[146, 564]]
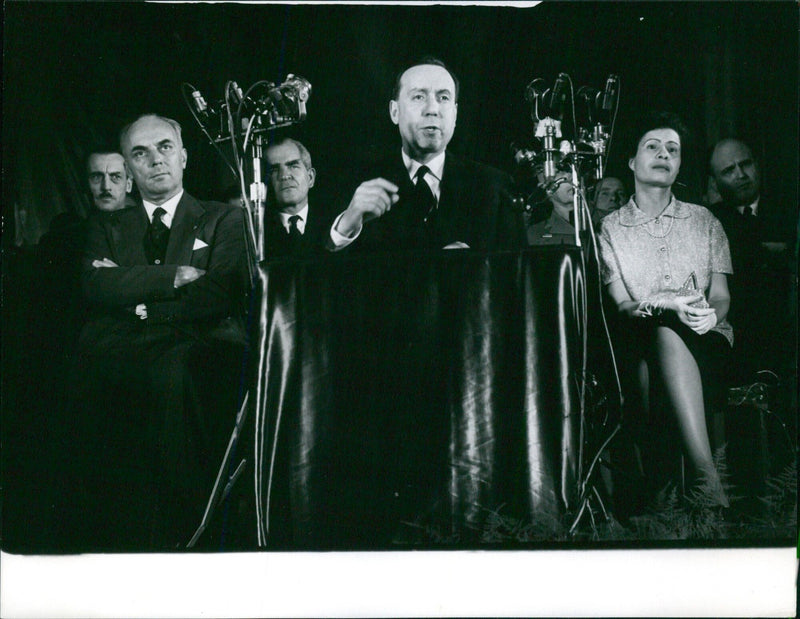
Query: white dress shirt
[[433, 178], [301, 223], [753, 208], [169, 206]]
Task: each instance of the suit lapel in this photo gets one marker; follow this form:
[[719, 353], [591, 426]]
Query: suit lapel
[[185, 225], [404, 184], [309, 238], [457, 213], [276, 238], [451, 188]]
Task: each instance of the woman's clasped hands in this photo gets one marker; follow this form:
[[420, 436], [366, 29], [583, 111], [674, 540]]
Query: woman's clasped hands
[[700, 318]]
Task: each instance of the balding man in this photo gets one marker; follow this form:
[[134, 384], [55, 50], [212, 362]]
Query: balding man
[[760, 283], [165, 281]]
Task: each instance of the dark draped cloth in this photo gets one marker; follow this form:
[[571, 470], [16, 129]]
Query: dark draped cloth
[[417, 398]]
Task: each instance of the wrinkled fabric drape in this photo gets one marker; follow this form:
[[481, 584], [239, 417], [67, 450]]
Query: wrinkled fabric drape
[[414, 399]]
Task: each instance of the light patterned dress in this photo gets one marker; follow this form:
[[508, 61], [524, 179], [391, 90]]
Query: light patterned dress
[[657, 254]]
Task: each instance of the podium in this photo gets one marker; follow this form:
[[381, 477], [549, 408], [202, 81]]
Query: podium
[[417, 399]]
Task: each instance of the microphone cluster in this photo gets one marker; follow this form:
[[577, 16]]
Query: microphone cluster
[[592, 131], [265, 106], [241, 117]]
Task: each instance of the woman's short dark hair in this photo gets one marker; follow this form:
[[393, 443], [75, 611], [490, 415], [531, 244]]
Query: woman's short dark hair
[[422, 61], [656, 119]]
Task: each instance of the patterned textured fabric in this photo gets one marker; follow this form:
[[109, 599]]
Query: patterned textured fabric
[[657, 254]]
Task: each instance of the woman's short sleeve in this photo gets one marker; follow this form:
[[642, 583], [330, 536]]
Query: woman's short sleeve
[[609, 265], [720, 249]]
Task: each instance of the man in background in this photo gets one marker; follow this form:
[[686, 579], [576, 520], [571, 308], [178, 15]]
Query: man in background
[[109, 181], [609, 194], [760, 285], [292, 228]]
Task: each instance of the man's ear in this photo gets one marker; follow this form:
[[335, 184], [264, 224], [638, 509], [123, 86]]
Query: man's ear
[[184, 157], [712, 191], [394, 112], [630, 162], [312, 174], [129, 174]]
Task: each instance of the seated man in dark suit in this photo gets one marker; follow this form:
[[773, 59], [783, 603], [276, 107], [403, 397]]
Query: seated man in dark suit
[[558, 229], [292, 228], [760, 285], [458, 204], [165, 281]]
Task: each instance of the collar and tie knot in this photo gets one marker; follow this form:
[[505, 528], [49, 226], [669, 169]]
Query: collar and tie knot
[[294, 226]]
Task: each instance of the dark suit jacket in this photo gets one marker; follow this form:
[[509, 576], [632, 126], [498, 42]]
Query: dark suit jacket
[[745, 234], [760, 290], [312, 242], [206, 235], [474, 208], [554, 230], [167, 385]]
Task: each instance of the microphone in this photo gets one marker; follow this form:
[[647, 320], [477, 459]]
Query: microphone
[[558, 95], [276, 96], [608, 104], [549, 150], [549, 128], [534, 90], [200, 105], [590, 101], [522, 154], [611, 93], [235, 94]]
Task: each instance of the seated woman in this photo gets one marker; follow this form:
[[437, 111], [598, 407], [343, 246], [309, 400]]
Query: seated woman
[[665, 264]]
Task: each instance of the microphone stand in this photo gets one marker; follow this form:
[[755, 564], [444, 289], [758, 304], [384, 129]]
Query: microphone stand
[[266, 116], [588, 491], [258, 200], [577, 202], [595, 142]]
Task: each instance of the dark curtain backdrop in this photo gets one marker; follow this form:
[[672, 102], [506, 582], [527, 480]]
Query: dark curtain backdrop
[[75, 72]]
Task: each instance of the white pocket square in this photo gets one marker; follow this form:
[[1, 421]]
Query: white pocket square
[[198, 244]]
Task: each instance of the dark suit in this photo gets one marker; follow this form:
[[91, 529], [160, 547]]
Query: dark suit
[[159, 396], [312, 242], [474, 208], [554, 230], [759, 289]]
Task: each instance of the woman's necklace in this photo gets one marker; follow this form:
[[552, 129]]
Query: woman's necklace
[[651, 226]]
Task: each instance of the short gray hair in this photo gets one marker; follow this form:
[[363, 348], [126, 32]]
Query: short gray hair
[[176, 126], [305, 156]]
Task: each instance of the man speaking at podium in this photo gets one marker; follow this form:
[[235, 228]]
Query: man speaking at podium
[[427, 198]]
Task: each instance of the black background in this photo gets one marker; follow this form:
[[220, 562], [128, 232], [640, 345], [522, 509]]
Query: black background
[[76, 72]]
